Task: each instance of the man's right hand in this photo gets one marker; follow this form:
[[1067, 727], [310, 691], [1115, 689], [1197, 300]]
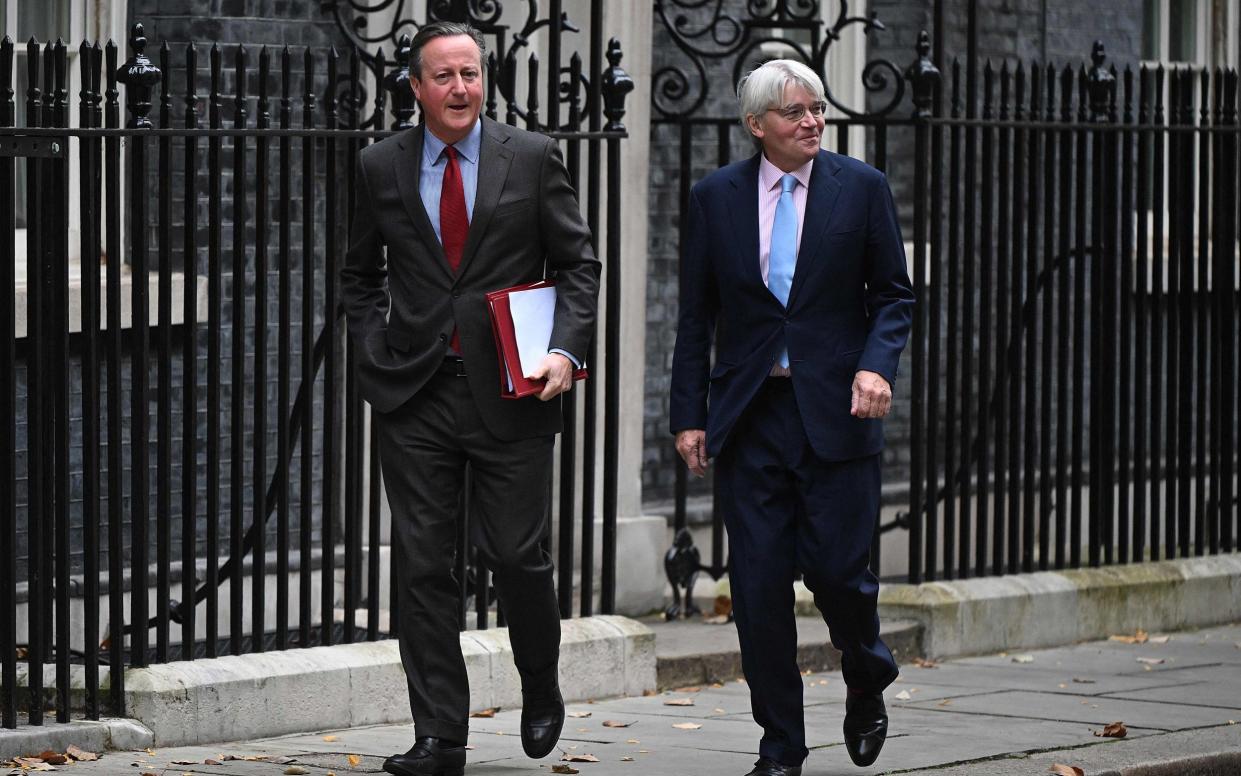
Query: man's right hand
[[692, 445]]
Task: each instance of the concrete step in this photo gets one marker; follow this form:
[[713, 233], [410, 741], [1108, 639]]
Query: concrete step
[[691, 652]]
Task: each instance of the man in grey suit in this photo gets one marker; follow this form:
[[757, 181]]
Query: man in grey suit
[[447, 212]]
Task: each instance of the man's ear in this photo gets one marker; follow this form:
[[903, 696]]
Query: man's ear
[[756, 129], [416, 85]]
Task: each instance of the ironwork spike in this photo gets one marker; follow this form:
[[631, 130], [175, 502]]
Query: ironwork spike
[[139, 75], [616, 84], [924, 76]]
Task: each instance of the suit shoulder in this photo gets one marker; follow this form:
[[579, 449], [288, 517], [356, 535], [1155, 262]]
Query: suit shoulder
[[522, 140], [856, 167], [388, 148], [720, 177]]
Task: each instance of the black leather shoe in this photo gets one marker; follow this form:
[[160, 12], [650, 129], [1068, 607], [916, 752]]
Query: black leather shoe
[[428, 757], [769, 767], [866, 726], [542, 717]]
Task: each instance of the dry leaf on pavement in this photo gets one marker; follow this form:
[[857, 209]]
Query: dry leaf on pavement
[[687, 726], [329, 739], [564, 769], [579, 714], [579, 758], [484, 714], [212, 761], [1066, 770], [1159, 639], [626, 759], [53, 758], [649, 693], [904, 695], [354, 761], [81, 755], [295, 770], [1139, 637], [1112, 730], [944, 702], [616, 723], [694, 688], [679, 702], [1023, 658]]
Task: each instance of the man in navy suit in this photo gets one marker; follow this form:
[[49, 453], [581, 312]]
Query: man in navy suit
[[793, 263]]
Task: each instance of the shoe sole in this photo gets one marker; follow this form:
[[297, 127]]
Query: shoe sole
[[457, 771]]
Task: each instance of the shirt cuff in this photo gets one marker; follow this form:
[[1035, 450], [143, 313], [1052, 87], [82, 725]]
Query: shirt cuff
[[576, 364]]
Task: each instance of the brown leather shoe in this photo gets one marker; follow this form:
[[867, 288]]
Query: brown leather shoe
[[428, 757], [768, 767], [866, 726]]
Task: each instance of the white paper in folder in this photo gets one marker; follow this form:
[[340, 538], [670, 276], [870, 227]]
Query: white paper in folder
[[533, 312]]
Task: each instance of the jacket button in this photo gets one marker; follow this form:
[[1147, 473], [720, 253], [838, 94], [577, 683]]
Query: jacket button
[[456, 296], [443, 338]]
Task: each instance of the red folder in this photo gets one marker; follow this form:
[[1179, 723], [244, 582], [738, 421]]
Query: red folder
[[513, 382]]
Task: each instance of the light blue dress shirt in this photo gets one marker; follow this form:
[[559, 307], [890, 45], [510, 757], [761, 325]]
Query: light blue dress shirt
[[431, 183]]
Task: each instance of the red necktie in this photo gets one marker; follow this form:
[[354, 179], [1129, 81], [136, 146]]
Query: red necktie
[[454, 220]]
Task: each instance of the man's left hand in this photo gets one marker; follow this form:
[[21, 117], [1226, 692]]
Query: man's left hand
[[558, 371], [872, 396]]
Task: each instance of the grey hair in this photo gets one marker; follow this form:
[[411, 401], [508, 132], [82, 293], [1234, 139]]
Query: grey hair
[[763, 87], [441, 30]]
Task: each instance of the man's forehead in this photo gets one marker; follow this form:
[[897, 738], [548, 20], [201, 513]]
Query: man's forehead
[[795, 92], [452, 47]]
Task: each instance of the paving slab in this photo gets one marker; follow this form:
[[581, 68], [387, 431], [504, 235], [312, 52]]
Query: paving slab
[[984, 716]]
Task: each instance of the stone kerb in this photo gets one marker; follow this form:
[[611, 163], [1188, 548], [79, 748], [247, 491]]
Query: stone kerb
[[1053, 608]]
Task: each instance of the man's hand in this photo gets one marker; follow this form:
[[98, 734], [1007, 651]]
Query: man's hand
[[872, 396], [558, 371], [692, 446]]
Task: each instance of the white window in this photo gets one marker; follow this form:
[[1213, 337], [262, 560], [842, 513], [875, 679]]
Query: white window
[[1192, 32]]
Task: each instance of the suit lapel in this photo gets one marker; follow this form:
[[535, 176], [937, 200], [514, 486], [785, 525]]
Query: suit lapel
[[821, 200], [745, 224], [494, 160], [408, 176]]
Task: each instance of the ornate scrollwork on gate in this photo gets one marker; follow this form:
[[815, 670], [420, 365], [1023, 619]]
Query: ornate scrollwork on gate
[[354, 18], [706, 32]]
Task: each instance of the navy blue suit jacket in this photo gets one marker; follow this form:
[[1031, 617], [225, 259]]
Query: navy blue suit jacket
[[849, 308]]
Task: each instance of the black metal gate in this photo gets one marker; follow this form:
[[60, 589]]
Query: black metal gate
[[179, 414]]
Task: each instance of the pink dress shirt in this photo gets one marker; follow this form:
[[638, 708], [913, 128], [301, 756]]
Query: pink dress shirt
[[768, 196]]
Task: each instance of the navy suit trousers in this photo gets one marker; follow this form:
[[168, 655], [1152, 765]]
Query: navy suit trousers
[[785, 510]]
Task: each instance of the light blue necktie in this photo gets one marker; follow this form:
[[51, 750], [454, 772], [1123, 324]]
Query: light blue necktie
[[783, 256]]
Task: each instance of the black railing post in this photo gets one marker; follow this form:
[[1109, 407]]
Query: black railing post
[[140, 77], [8, 403], [398, 85], [616, 86], [925, 78]]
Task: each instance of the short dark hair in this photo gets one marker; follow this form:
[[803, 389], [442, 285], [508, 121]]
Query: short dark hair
[[441, 30]]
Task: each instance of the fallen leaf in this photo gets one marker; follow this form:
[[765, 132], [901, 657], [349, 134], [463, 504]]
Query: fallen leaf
[[679, 702], [354, 761], [564, 769], [687, 726], [1150, 661], [1066, 770], [211, 761], [649, 693], [1139, 637], [633, 741], [579, 714], [81, 755], [484, 714], [582, 730], [944, 702], [329, 739], [1112, 730], [688, 689], [1062, 686], [626, 759], [1023, 658], [149, 773], [150, 751], [1160, 639], [924, 663], [579, 758], [718, 711], [723, 605], [615, 723], [295, 770], [53, 758], [904, 695], [716, 685]]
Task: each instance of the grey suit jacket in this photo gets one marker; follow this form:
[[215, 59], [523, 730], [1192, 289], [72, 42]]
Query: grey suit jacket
[[401, 308]]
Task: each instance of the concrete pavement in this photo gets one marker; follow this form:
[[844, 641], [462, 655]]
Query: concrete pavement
[[1179, 699]]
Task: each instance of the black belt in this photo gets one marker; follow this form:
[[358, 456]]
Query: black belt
[[453, 366]]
